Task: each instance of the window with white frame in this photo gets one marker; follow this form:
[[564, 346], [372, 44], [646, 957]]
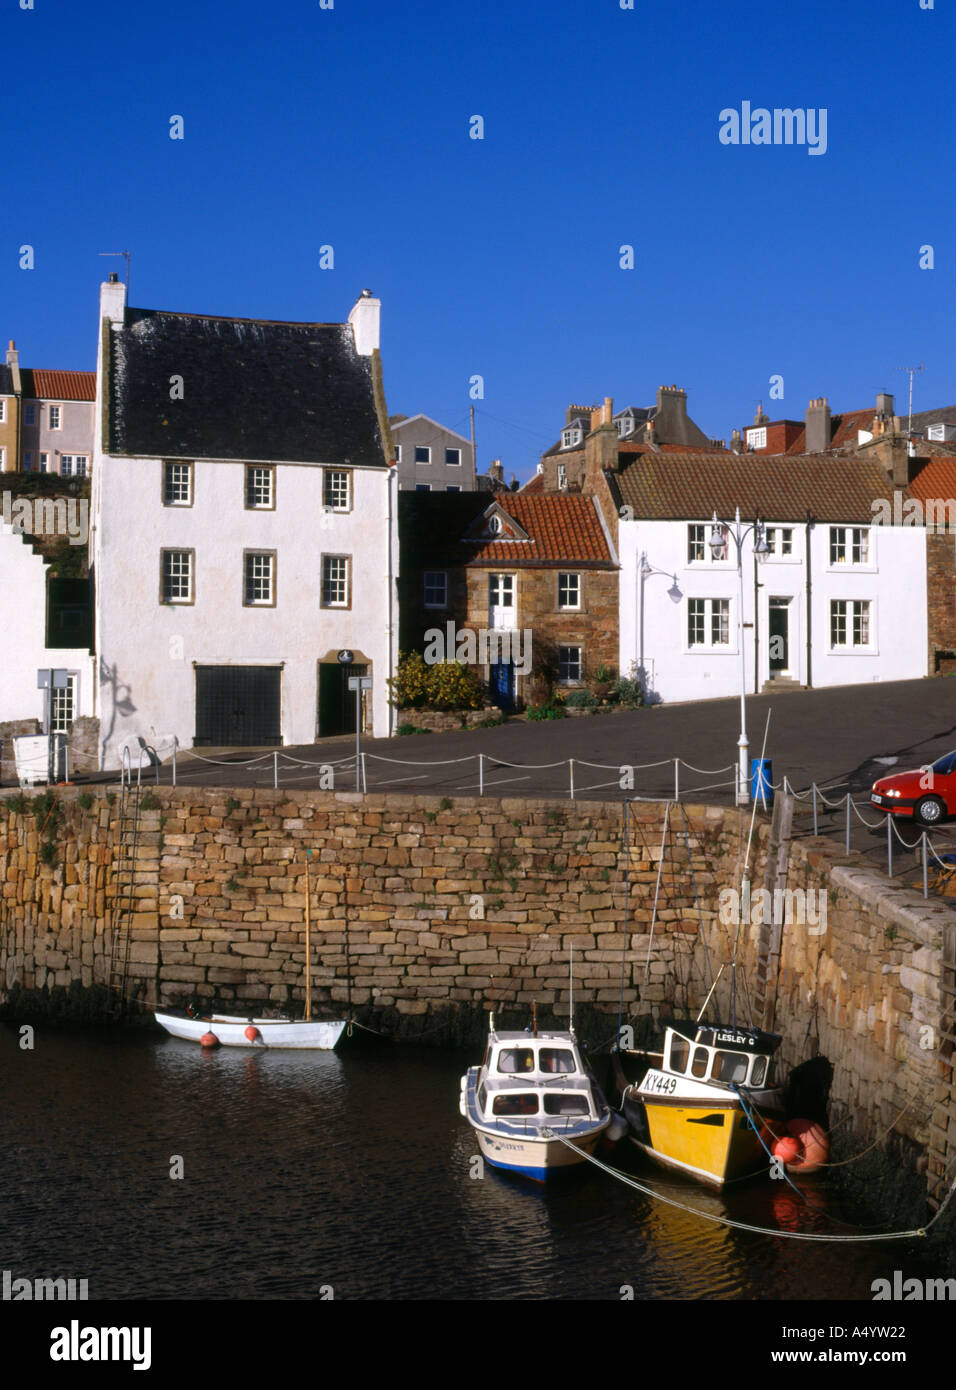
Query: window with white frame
[[336, 489], [177, 484], [74, 465], [335, 581], [779, 540], [260, 487], [3, 410], [708, 622], [259, 578], [697, 549], [30, 415], [54, 417], [436, 589], [453, 458], [757, 438], [849, 545], [570, 665], [398, 453], [570, 439], [423, 453], [850, 623], [63, 706], [44, 462], [176, 582], [625, 425], [3, 459], [569, 591]]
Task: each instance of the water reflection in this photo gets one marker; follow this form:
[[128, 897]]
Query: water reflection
[[308, 1169]]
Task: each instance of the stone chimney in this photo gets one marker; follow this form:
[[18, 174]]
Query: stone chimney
[[885, 421], [112, 299], [761, 418], [365, 320], [608, 410], [736, 441], [818, 426], [12, 354], [13, 362], [496, 471]]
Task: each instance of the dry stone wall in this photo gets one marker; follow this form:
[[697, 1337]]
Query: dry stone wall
[[423, 902]]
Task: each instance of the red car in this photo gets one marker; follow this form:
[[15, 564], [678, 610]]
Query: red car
[[927, 794]]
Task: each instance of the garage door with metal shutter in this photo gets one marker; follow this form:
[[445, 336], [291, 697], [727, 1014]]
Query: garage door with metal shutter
[[238, 706]]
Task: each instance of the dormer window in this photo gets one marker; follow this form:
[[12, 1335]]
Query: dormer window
[[757, 438], [494, 525], [570, 439], [625, 426]]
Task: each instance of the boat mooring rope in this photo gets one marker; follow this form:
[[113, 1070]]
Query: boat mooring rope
[[743, 1225]]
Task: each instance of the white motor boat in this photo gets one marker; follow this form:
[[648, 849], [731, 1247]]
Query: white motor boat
[[534, 1103]]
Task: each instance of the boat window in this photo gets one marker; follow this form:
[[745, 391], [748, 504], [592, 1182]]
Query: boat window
[[701, 1061], [680, 1052], [523, 1103], [759, 1072], [515, 1059], [730, 1066], [482, 1096], [566, 1104], [556, 1059]]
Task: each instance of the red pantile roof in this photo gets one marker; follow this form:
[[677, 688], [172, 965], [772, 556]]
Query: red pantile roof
[[561, 529], [936, 481], [775, 486], [42, 384]]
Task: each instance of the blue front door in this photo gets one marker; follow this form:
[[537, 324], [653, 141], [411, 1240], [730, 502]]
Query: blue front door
[[503, 684]]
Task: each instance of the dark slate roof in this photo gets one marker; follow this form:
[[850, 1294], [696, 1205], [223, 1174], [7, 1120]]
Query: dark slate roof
[[942, 415], [6, 380], [779, 487], [252, 389]]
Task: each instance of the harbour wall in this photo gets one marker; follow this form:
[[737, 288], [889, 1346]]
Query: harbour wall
[[422, 907]]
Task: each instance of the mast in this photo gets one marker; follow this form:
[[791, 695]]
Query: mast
[[308, 940]]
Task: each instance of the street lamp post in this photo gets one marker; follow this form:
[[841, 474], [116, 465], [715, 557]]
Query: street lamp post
[[674, 594], [718, 546]]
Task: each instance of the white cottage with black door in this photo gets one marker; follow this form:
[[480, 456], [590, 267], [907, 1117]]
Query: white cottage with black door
[[244, 527]]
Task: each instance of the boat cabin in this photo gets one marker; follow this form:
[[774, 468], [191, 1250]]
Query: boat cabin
[[526, 1076], [727, 1056]]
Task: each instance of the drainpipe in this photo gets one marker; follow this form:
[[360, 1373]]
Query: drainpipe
[[809, 610], [756, 631], [389, 628]]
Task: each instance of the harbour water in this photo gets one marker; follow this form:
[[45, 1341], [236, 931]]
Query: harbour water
[[350, 1176]]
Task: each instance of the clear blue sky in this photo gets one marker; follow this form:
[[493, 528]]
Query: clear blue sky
[[350, 127]]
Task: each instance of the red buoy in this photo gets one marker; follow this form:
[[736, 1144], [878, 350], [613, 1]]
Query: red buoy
[[208, 1040], [252, 1032], [787, 1149], [814, 1144]]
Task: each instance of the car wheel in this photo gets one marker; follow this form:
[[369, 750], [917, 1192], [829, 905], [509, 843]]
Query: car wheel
[[929, 810]]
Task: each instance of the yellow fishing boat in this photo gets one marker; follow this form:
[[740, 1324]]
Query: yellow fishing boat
[[696, 1111]]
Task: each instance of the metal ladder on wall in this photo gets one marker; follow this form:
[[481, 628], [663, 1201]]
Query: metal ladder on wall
[[771, 933], [121, 922], [942, 1147]]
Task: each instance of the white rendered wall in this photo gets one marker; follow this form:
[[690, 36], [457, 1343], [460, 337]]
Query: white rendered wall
[[23, 580], [894, 581], [148, 649]]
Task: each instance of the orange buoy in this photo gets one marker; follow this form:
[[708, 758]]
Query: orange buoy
[[208, 1040], [814, 1145], [787, 1149], [252, 1032]]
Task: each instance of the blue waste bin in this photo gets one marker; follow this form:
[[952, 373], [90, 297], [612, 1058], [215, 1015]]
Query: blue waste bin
[[761, 780]]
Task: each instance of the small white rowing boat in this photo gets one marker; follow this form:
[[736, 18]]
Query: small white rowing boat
[[232, 1031]]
